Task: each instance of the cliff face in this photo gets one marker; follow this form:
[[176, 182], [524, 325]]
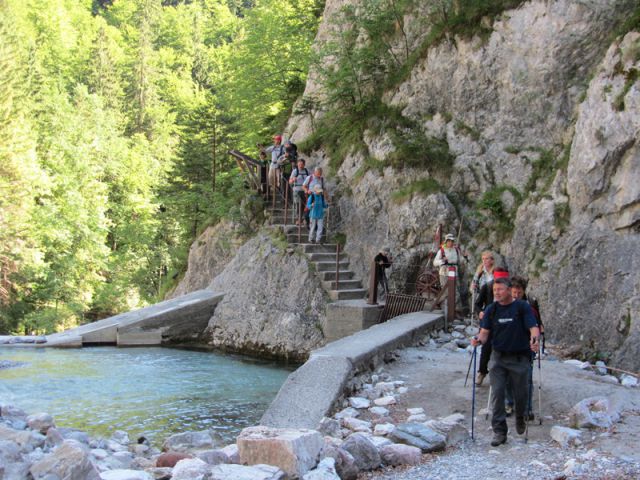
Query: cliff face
[[541, 119], [544, 116]]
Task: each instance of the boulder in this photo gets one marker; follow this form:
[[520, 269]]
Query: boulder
[[363, 451], [344, 462], [213, 457], [242, 472], [628, 380], [455, 432], [169, 459], [232, 453], [359, 402], [10, 412], [330, 427], [157, 473], [293, 451], [191, 469], [566, 436], [27, 440], [399, 454], [69, 461], [122, 474], [54, 437], [40, 422], [385, 401], [326, 470], [182, 442], [418, 435], [594, 412], [378, 441], [356, 425], [121, 437]]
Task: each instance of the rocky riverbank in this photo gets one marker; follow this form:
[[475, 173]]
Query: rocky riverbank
[[410, 419]]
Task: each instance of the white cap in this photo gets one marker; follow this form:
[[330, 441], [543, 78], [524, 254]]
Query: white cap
[[450, 236]]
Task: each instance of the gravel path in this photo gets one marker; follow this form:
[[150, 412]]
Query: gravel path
[[435, 377]]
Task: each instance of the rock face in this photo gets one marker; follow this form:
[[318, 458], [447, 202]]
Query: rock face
[[273, 302], [543, 114]]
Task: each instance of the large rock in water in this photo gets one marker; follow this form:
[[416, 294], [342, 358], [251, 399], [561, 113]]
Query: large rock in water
[[293, 451], [273, 302], [69, 461]]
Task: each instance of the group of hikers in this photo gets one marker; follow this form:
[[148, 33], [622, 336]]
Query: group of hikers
[[510, 331], [310, 199]]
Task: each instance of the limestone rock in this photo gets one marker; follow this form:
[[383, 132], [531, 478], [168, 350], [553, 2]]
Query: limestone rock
[[344, 462], [330, 427], [326, 470], [399, 454], [191, 469], [628, 380], [70, 461], [418, 435], [595, 412], [379, 411], [359, 402], [214, 457], [241, 472], [121, 437], [384, 428], [347, 412], [40, 422], [454, 432], [364, 452], [415, 411], [421, 417], [182, 442], [566, 436], [385, 401], [282, 318], [293, 451], [356, 425], [125, 475], [232, 453]]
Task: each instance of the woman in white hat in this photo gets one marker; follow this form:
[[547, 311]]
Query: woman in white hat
[[448, 255]]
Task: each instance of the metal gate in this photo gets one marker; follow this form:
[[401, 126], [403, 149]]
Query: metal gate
[[400, 303]]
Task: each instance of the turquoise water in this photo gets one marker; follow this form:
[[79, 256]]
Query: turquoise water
[[152, 391]]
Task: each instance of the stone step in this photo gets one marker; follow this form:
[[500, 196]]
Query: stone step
[[331, 275], [330, 266], [304, 237], [327, 257], [316, 248], [344, 284], [354, 294]]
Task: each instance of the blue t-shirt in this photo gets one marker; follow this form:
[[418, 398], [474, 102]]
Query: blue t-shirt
[[509, 326]]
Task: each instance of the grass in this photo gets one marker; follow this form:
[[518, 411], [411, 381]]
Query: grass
[[462, 127], [561, 215], [500, 216], [423, 187], [631, 77]]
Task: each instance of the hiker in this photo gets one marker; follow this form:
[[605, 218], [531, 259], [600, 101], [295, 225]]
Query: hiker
[[513, 331], [316, 205], [449, 255], [292, 149], [483, 300], [518, 292], [383, 261], [286, 164], [484, 272], [276, 150], [315, 180], [297, 178]]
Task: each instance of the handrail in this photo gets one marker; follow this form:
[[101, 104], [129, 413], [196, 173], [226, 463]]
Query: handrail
[[249, 166]]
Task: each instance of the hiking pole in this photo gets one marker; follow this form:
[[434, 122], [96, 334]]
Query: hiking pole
[[528, 413], [539, 389], [486, 415], [469, 369], [473, 395]]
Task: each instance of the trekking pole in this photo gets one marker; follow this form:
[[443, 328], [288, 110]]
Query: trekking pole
[[528, 416], [486, 415], [473, 395], [539, 389], [469, 369]]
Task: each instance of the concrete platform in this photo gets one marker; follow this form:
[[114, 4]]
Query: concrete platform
[[316, 388], [346, 317], [171, 321]]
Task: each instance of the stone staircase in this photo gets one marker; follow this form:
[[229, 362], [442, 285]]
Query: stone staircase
[[323, 258]]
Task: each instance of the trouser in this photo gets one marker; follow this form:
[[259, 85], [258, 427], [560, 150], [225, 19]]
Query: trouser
[[317, 224], [514, 367], [382, 281], [509, 391], [274, 176], [485, 356], [299, 202]]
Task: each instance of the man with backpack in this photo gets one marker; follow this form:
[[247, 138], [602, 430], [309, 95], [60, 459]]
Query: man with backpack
[[297, 179], [514, 335], [276, 150]]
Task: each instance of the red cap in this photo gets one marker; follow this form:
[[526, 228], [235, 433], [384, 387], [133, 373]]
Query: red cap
[[500, 274], [277, 138]]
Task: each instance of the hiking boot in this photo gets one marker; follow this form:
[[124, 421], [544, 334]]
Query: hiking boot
[[521, 426], [508, 410], [498, 439], [480, 379], [531, 417]]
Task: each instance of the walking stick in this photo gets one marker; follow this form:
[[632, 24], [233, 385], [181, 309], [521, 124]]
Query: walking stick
[[473, 395], [528, 417], [469, 369], [539, 389]]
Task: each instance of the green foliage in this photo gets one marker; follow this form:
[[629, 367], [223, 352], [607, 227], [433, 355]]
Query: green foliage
[[111, 116], [631, 23], [424, 187], [544, 167], [561, 215], [493, 212]]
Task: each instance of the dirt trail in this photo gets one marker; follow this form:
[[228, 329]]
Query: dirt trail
[[435, 377]]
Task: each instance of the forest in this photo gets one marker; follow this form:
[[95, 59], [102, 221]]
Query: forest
[[115, 120]]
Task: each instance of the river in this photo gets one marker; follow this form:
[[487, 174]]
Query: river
[[151, 391]]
